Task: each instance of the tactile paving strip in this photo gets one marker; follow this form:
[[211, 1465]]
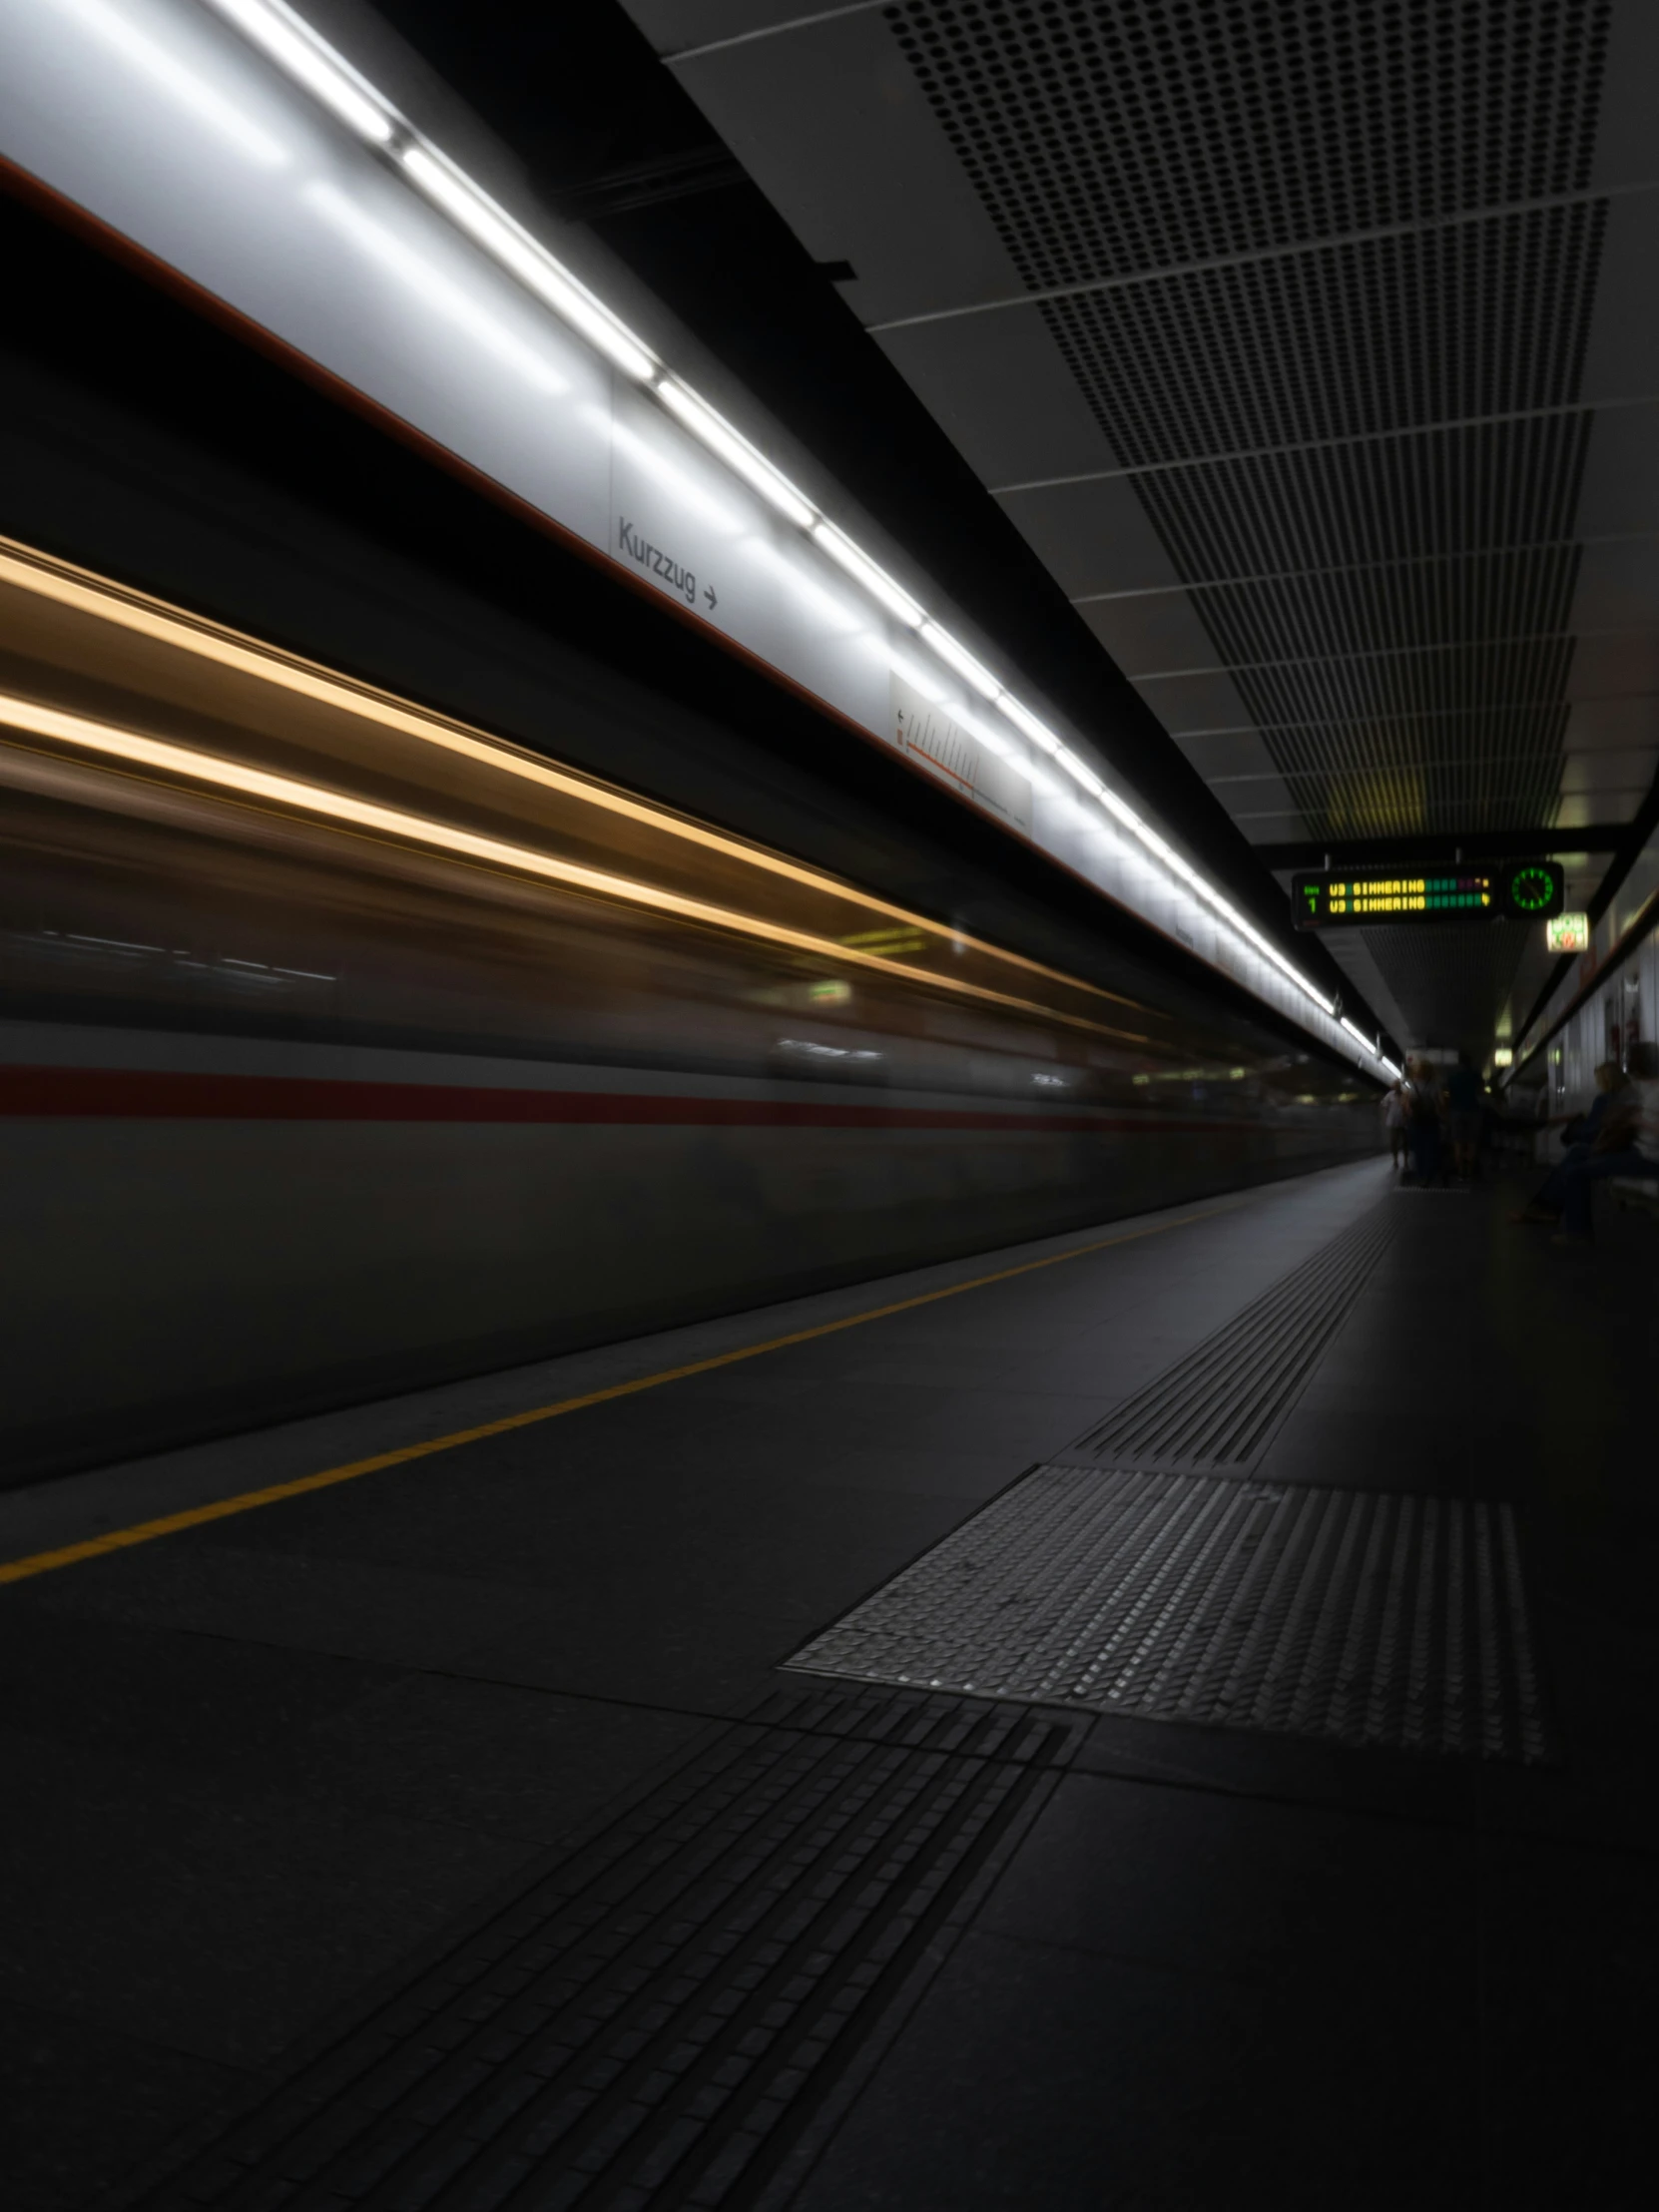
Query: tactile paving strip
[[1359, 1616], [677, 2014], [1219, 1407]]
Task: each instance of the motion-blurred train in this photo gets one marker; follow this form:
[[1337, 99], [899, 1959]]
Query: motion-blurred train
[[345, 1048]]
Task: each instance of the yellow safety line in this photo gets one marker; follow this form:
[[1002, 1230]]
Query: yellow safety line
[[144, 1532]]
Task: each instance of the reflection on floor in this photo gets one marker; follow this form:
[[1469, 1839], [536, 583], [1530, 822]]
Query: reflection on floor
[[457, 1828]]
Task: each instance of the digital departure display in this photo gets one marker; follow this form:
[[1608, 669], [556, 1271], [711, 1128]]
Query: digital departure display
[[1505, 890]]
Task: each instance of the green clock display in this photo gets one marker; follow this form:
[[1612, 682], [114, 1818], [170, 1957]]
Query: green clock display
[[1535, 891]]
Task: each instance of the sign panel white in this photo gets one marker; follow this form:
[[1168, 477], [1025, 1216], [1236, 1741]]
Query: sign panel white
[[1567, 933], [927, 734]]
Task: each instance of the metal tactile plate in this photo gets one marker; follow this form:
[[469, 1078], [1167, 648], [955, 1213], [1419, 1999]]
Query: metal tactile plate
[[1218, 1408], [1367, 1618], [675, 2014]]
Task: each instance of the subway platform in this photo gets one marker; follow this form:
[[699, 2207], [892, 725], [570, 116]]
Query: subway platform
[[1160, 1717]]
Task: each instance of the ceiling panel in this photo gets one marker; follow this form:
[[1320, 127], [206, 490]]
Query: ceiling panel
[[966, 371], [1194, 702], [1621, 474], [1619, 666], [1096, 538], [1314, 348], [1622, 776], [1229, 754], [1617, 586], [1452, 981], [1150, 630], [1608, 725]]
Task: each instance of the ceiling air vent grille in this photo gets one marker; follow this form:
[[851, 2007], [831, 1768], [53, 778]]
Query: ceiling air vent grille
[[1385, 501], [1435, 601], [1457, 978], [1114, 138], [1310, 293], [1447, 325]]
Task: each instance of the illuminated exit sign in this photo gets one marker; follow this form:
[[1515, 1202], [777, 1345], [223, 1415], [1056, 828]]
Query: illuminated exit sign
[[1568, 934], [1510, 890]]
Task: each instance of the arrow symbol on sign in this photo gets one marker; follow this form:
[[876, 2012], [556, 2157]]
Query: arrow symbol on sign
[[709, 595]]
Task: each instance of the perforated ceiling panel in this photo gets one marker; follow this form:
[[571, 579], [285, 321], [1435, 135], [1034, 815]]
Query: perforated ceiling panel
[[1405, 668], [1135, 134], [1142, 141], [1442, 973], [1280, 328]]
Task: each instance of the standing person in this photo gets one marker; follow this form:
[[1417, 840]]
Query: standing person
[[1423, 1107], [1393, 1121], [1462, 1098]]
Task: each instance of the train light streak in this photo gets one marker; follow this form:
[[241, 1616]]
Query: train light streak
[[75, 588], [134, 749]]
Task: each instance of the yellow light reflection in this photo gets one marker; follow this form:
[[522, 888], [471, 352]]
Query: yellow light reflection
[[130, 747], [86, 594]]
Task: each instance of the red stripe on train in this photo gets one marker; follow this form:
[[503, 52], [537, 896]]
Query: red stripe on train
[[136, 1094]]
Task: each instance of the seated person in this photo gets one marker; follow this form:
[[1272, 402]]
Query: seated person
[[1583, 1132], [1627, 1143]]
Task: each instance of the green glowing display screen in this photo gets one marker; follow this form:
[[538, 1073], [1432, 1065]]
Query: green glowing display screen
[[1506, 891]]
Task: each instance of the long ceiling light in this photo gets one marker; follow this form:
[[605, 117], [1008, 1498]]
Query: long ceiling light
[[538, 271], [862, 570], [295, 47], [736, 451], [958, 657]]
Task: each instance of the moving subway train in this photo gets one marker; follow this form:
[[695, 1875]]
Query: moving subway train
[[346, 1047]]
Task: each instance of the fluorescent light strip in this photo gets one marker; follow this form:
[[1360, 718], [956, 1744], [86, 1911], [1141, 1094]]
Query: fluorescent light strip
[[736, 451], [1359, 1034], [315, 64], [958, 658], [361, 232], [130, 747], [863, 570], [1026, 722], [294, 46], [494, 230]]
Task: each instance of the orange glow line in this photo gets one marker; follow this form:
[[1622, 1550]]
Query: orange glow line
[[130, 747], [89, 595]]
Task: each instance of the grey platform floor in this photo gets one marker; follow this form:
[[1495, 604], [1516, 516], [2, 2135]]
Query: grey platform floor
[[253, 1768]]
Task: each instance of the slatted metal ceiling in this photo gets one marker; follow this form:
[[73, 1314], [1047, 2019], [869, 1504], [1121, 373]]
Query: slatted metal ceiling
[[1065, 121], [1272, 326]]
